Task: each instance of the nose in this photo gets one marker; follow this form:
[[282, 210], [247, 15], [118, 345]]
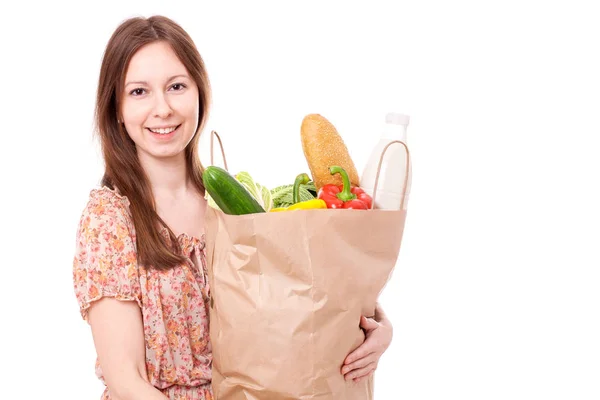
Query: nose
[[162, 108]]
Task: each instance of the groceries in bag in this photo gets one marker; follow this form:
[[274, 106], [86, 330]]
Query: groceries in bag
[[334, 177]]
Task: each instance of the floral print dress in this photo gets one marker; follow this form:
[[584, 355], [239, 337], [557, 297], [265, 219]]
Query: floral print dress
[[173, 303]]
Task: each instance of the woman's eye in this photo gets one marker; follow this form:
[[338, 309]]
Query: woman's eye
[[137, 92], [178, 86]]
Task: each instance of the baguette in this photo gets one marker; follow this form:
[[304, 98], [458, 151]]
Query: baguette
[[323, 147]]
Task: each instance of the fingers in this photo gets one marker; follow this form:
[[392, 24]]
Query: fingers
[[368, 324], [368, 347], [357, 380], [364, 350], [361, 372], [361, 363]]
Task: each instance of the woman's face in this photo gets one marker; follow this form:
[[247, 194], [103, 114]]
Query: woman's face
[[160, 103]]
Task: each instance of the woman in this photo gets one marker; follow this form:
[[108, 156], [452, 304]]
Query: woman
[[140, 270]]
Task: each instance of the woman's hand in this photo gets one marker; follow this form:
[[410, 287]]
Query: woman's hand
[[362, 362]]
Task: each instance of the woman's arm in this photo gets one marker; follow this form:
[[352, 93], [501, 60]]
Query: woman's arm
[[119, 339]]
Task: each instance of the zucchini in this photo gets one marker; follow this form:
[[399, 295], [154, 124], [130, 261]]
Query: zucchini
[[228, 193]]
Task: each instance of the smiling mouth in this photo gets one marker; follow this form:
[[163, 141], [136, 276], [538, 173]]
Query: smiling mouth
[[163, 131]]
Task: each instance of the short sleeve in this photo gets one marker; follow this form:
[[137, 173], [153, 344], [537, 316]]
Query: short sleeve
[[105, 261]]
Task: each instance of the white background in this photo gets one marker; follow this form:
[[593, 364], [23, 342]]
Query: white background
[[496, 292]]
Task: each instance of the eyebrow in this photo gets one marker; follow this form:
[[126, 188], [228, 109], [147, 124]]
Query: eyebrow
[[168, 80]]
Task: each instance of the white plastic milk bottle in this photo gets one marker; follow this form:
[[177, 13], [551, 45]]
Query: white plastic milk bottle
[[393, 167]]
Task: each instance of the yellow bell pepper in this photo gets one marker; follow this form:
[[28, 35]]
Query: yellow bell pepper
[[301, 205], [308, 204]]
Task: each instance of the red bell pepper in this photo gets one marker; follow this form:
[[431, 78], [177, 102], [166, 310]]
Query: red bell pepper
[[345, 195]]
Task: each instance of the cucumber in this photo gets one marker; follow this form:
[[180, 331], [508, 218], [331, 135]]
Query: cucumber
[[229, 194]]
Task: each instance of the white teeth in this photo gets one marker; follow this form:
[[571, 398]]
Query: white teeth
[[164, 131]]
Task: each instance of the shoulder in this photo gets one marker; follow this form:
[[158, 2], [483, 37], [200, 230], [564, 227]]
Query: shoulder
[[106, 215], [108, 197], [106, 204]]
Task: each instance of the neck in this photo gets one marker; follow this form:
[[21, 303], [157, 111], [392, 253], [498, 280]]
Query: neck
[[168, 176]]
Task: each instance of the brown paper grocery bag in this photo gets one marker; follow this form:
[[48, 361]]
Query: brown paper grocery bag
[[287, 293]]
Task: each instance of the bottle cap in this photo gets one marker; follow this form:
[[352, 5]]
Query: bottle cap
[[397, 119]]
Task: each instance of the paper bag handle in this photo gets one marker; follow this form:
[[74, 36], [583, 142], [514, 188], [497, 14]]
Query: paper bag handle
[[212, 136], [405, 175]]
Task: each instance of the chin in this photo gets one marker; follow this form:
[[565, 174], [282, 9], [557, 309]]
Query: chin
[[170, 154], [165, 153]]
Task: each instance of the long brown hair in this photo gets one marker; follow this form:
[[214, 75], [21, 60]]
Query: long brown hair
[[122, 167]]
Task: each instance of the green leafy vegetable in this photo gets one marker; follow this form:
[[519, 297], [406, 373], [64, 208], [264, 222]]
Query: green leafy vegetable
[[283, 195]]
